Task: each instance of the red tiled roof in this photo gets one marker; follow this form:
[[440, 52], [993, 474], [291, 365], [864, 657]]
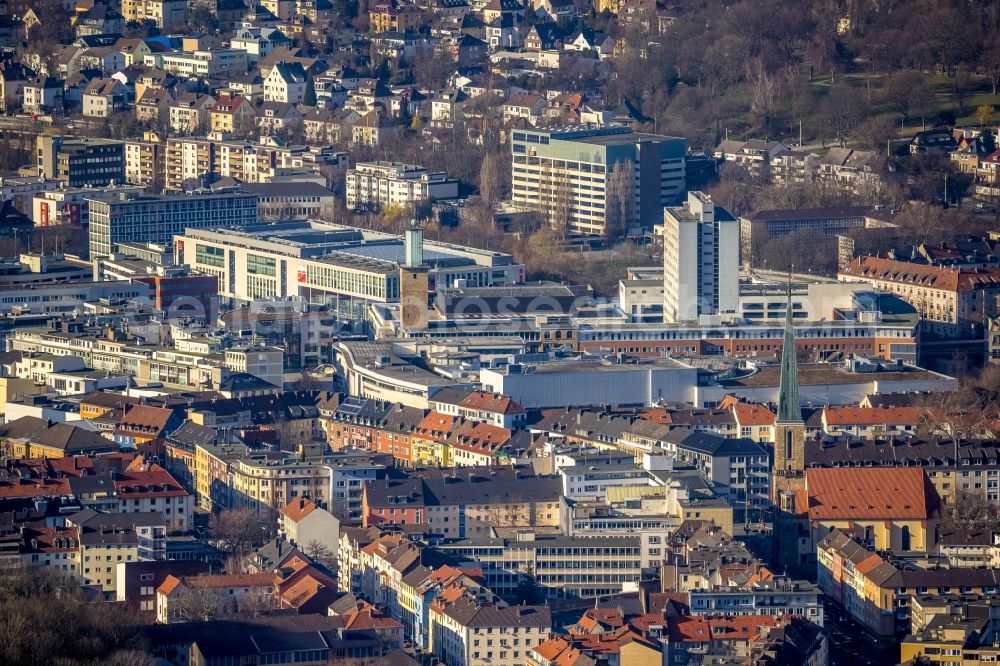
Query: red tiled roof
[[168, 585], [492, 402], [753, 414], [868, 493], [144, 484], [35, 488], [298, 509], [143, 418], [702, 628], [436, 422], [934, 277]]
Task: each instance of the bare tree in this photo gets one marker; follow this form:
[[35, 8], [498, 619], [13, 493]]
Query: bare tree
[[765, 92], [240, 530], [321, 554], [990, 61], [620, 200], [490, 180], [961, 88]]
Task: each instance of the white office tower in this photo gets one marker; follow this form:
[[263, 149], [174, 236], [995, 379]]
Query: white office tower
[[701, 260]]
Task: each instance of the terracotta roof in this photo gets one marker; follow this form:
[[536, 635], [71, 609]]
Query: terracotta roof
[[492, 402], [34, 488], [934, 277], [436, 422], [480, 437], [365, 616], [702, 628], [596, 620], [869, 493], [298, 509], [748, 413], [145, 419], [42, 539], [229, 580], [168, 585], [152, 482], [227, 104]]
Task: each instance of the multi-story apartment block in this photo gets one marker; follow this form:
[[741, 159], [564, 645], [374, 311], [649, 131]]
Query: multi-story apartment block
[[597, 180], [952, 301], [212, 63], [144, 162], [473, 631], [231, 478], [762, 226], [158, 218], [564, 567], [81, 162], [466, 504], [108, 539], [377, 184], [701, 254], [72, 205], [775, 597], [189, 160], [168, 15], [878, 595], [738, 467]]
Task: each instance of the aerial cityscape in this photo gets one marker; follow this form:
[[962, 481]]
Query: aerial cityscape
[[499, 332]]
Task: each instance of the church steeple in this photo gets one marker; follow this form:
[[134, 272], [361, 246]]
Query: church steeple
[[789, 428], [789, 407]]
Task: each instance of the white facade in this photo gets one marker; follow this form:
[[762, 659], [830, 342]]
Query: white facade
[[214, 62], [701, 253], [394, 183], [580, 382], [267, 363]]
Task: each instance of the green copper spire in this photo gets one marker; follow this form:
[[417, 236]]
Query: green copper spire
[[789, 407]]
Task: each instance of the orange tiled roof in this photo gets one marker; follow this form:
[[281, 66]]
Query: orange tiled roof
[[144, 484], [298, 509], [168, 585], [867, 564], [868, 493], [753, 414], [35, 488], [702, 628], [436, 422], [492, 402], [935, 277]]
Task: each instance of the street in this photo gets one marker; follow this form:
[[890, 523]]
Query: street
[[850, 644]]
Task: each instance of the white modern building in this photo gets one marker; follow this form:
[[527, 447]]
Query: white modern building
[[377, 184], [701, 260], [328, 264], [573, 176]]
